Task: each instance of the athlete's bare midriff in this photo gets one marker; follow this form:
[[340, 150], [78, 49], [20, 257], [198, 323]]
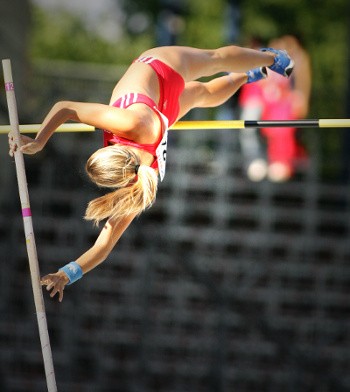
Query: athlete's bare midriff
[[139, 78]]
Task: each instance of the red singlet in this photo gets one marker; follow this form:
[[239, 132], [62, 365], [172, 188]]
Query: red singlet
[[171, 85]]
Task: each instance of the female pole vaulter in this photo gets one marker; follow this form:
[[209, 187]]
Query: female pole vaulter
[[157, 90]]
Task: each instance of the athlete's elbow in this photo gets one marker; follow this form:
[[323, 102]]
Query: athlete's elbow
[[66, 109]]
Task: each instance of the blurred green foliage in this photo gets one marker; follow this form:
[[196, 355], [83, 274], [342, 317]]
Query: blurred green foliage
[[63, 36]]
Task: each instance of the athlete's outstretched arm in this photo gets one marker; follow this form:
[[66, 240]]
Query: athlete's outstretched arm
[[103, 246], [98, 115]]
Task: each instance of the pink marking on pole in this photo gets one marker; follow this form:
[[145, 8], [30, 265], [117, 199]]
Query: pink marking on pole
[[9, 86], [26, 212]]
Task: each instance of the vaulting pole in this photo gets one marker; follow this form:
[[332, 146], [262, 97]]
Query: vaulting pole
[[206, 125], [28, 230]]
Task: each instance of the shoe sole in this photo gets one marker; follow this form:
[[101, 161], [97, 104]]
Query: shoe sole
[[288, 71]]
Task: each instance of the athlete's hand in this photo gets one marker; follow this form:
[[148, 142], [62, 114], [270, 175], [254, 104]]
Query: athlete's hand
[[28, 145], [55, 282]]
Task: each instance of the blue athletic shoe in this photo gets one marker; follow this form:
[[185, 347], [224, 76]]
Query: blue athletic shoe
[[283, 64], [256, 74]]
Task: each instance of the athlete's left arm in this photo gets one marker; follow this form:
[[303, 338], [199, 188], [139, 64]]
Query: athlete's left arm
[[116, 120]]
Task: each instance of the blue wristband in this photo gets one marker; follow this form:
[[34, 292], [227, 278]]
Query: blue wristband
[[73, 271]]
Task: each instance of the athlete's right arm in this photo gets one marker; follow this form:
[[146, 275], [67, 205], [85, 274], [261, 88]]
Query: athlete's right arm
[[106, 241]]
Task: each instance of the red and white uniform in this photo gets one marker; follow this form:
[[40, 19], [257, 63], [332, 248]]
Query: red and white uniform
[[171, 85]]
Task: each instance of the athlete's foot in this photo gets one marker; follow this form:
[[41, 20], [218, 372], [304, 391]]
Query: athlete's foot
[[283, 64], [256, 74]]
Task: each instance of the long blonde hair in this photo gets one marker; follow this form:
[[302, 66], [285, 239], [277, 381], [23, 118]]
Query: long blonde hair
[[120, 168]]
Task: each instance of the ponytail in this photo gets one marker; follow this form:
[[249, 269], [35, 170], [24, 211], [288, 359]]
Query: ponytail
[[135, 184]]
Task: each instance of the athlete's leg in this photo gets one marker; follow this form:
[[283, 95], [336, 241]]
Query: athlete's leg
[[210, 94], [193, 63]]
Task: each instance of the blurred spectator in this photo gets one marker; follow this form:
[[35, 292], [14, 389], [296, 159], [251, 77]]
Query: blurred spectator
[[277, 99]]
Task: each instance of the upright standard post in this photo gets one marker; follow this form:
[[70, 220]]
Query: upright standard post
[[28, 230]]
